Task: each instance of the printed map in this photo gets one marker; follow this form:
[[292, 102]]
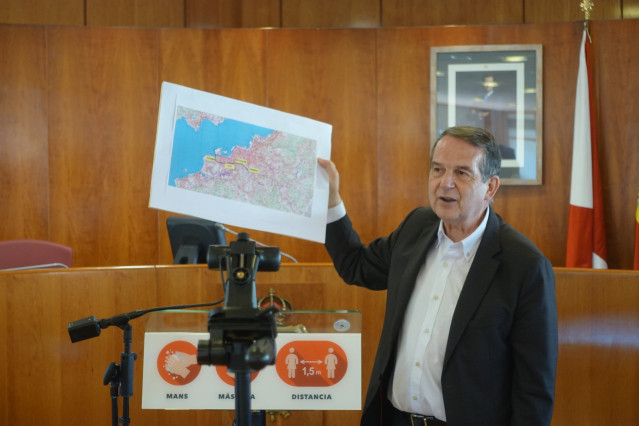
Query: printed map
[[242, 162]]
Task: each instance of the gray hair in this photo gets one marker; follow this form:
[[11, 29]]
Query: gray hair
[[491, 166]]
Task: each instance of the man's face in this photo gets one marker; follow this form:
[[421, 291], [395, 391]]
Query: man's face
[[455, 188], [489, 83]]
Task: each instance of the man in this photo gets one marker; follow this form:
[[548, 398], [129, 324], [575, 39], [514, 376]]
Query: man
[[470, 328]]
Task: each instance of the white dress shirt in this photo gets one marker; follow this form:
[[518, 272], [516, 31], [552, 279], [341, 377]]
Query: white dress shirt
[[416, 385], [336, 213]]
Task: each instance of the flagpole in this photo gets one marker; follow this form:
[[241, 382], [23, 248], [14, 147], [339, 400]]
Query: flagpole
[[586, 7], [586, 239]]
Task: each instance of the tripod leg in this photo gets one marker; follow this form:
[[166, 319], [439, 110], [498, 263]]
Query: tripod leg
[[243, 398], [112, 377]]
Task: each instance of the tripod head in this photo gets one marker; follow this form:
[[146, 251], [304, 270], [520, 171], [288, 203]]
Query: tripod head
[[242, 336]]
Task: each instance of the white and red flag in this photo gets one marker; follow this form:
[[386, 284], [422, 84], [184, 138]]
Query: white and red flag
[[586, 247]]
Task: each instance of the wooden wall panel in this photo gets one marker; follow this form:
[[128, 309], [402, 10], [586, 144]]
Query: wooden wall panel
[[229, 63], [538, 11], [615, 79], [402, 125], [331, 13], [260, 13], [330, 77], [452, 12], [232, 13], [212, 14], [303, 13], [24, 165], [136, 13], [42, 12], [103, 97]]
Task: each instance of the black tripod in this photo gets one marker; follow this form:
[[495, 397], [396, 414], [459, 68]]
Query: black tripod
[[242, 337]]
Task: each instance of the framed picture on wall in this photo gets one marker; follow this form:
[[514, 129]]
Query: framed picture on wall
[[496, 87]]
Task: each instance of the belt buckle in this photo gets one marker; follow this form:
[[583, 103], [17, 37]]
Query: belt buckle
[[414, 417]]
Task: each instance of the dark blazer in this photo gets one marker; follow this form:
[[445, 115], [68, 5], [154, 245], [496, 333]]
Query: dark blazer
[[501, 356]]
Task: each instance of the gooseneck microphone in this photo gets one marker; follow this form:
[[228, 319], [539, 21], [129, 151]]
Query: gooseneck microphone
[[90, 327]]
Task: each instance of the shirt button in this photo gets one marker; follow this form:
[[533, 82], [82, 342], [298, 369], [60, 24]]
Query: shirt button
[[417, 364], [435, 297], [414, 397], [445, 264], [426, 330]]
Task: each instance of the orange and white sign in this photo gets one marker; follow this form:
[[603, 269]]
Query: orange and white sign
[[177, 363], [312, 363], [313, 371]]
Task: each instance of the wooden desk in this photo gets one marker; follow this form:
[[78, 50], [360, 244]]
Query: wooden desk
[[598, 368], [47, 380]]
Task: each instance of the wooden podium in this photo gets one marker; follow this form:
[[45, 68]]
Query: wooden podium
[[47, 380]]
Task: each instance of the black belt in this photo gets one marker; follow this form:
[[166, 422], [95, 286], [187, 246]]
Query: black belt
[[408, 419]]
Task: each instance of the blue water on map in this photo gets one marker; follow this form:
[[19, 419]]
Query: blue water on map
[[190, 145]]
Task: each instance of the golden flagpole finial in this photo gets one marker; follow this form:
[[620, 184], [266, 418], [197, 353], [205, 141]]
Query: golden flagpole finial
[[586, 7]]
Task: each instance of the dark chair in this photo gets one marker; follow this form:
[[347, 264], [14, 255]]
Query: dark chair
[[34, 254]]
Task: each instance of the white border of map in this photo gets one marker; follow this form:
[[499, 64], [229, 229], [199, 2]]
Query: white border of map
[[230, 212]]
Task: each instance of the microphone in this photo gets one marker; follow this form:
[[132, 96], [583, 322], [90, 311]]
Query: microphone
[[90, 327], [225, 229], [85, 328]]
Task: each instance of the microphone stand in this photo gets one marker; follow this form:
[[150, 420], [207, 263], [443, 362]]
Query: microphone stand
[[121, 378], [111, 376]]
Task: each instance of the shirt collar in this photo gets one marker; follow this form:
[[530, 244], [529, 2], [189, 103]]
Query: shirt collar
[[470, 243]]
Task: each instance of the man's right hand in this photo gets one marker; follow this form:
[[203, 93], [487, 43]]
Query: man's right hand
[[334, 198]]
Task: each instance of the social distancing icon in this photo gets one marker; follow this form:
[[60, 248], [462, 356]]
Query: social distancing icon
[[317, 363]]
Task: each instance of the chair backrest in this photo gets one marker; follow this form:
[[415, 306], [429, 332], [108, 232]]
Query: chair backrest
[[34, 254]]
